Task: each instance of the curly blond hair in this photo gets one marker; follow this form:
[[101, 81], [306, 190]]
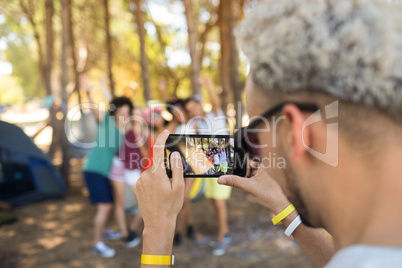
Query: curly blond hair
[[349, 49]]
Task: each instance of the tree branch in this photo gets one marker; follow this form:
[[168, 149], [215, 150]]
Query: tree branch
[[207, 29], [29, 15]]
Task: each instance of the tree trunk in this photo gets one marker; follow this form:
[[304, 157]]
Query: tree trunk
[[48, 76], [27, 8], [49, 8], [144, 59], [44, 68], [108, 47], [45, 65], [235, 83], [227, 148], [229, 13], [64, 78], [192, 43], [49, 45], [204, 35], [45, 71], [224, 63], [73, 56], [65, 47]]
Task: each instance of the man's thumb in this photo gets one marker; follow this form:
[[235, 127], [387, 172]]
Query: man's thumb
[[176, 166], [234, 181]]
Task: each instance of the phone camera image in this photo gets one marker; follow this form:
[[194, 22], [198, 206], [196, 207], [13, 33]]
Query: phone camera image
[[204, 156]]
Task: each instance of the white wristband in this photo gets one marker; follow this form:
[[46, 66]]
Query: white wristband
[[292, 227]]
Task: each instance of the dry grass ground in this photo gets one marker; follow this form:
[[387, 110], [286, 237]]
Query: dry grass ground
[[57, 233]]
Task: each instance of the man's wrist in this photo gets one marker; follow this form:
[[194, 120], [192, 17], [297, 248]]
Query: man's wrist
[[158, 240], [164, 226], [279, 204], [288, 220]]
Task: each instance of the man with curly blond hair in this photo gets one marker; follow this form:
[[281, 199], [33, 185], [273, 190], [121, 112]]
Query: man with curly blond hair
[[325, 94]]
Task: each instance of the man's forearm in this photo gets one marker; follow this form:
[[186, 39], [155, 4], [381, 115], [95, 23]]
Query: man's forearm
[[158, 241], [160, 200], [316, 243]]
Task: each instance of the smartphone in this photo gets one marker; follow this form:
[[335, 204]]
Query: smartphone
[[206, 155]]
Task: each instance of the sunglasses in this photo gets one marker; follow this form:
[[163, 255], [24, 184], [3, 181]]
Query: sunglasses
[[247, 137]]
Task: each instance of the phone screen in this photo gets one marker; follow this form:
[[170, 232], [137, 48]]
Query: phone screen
[[205, 156]]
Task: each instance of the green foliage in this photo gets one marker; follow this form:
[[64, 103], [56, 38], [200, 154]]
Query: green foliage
[[164, 39], [10, 91], [20, 53]]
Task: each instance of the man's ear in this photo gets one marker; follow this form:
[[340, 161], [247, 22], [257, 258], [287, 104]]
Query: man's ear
[[293, 142]]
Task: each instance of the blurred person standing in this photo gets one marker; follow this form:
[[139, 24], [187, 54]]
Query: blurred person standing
[[223, 160], [212, 123], [179, 117], [156, 124], [126, 169], [98, 163], [216, 160], [178, 125]]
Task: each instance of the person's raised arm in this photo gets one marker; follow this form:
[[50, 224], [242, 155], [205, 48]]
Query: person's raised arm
[[84, 82], [171, 126], [162, 86], [214, 98], [160, 200], [316, 243]]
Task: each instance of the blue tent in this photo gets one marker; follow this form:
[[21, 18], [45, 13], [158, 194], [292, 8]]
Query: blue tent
[[26, 174]]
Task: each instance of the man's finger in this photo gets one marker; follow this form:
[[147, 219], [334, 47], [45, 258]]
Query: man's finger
[[176, 166], [159, 148], [235, 181], [252, 166]]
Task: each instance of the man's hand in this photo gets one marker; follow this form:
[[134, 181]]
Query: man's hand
[[162, 85], [214, 98], [266, 191], [84, 82], [316, 243], [160, 199], [206, 82]]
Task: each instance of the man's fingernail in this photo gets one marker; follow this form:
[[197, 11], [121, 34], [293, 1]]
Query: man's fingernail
[[166, 130], [176, 155], [221, 180]]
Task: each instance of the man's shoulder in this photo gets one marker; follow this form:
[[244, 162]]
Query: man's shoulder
[[366, 256]]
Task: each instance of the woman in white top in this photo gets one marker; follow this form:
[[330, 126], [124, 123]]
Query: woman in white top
[[212, 123], [216, 162]]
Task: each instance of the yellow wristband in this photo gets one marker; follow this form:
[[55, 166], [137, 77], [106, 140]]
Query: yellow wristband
[[283, 214], [157, 259]]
